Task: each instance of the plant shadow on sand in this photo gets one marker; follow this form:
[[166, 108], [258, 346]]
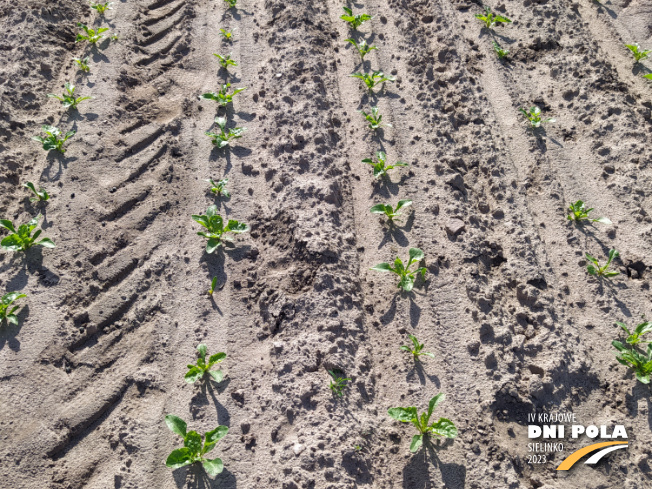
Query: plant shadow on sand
[[396, 234], [194, 477], [211, 388], [417, 471]]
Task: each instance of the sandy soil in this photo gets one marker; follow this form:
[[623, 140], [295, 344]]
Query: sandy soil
[[115, 312]]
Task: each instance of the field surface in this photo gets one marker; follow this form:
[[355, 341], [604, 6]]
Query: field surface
[[115, 312]]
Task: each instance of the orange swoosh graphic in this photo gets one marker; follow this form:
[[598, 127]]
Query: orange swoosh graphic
[[575, 456]]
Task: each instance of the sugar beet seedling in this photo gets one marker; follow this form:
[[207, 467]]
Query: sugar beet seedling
[[489, 18], [389, 211], [640, 363], [381, 167], [635, 337], [416, 348], [225, 61], [197, 372], [194, 447], [227, 36], [223, 138], [579, 214], [68, 99], [21, 239], [372, 80], [41, 193], [219, 188], [374, 119], [500, 52], [407, 276], [92, 35], [52, 141], [216, 230], [595, 269], [223, 97], [102, 7], [8, 315], [338, 384], [83, 64], [354, 21], [442, 427], [638, 53], [533, 115], [213, 285], [362, 47], [231, 3]]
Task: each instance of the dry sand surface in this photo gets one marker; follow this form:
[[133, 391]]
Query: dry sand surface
[[115, 312]]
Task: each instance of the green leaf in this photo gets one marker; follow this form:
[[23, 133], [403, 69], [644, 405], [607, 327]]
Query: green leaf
[[403, 203], [176, 425], [212, 245], [406, 283], [382, 267], [213, 467], [379, 209], [417, 441], [201, 349], [12, 243], [7, 224], [194, 374], [46, 243], [416, 254], [217, 434], [179, 458], [404, 415], [218, 357], [12, 297], [192, 441], [444, 427], [434, 402], [602, 220], [217, 375]]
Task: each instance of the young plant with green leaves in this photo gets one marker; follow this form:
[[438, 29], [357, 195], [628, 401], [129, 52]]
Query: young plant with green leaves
[[579, 214], [533, 115], [216, 230], [594, 268], [224, 137], [83, 64], [231, 3], [41, 194], [638, 53], [219, 187], [500, 52], [223, 97], [391, 212], [203, 367], [374, 119], [92, 35], [213, 285], [102, 7], [640, 363], [51, 140], [338, 384], [7, 313], [362, 47], [635, 337], [381, 167], [406, 276], [194, 448], [442, 427], [372, 80], [114, 37], [68, 99], [22, 239], [416, 349], [225, 61], [489, 18], [354, 21], [226, 35]]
